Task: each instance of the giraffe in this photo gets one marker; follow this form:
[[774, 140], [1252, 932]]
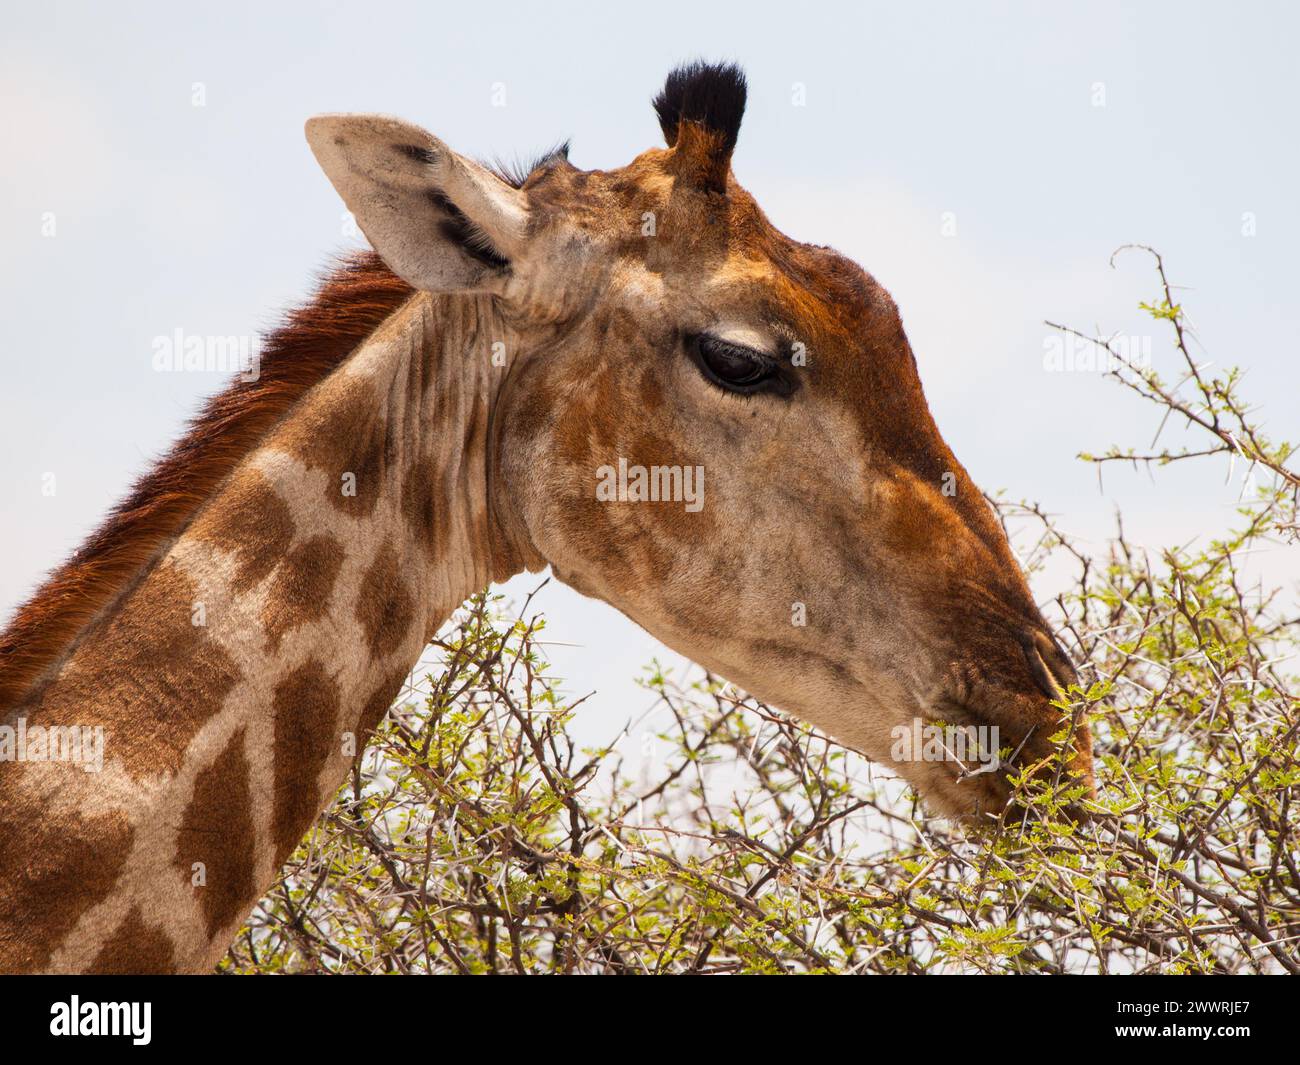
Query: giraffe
[[435, 420]]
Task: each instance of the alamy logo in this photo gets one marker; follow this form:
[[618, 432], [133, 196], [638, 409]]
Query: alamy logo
[[1073, 354], [968, 745], [81, 745], [207, 353], [651, 484], [102, 1018]]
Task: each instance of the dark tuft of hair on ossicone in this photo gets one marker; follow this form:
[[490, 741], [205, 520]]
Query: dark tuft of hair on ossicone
[[710, 94]]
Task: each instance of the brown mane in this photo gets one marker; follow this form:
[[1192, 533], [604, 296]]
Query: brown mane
[[351, 303]]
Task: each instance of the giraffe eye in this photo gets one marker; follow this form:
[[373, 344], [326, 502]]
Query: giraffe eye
[[733, 366]]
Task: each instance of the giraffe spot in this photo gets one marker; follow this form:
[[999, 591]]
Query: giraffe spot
[[303, 583], [376, 707], [590, 529], [585, 429], [217, 830], [149, 677], [533, 411], [251, 520], [650, 390], [134, 948], [52, 870], [671, 518], [306, 709], [342, 431], [427, 521], [473, 457], [384, 606]]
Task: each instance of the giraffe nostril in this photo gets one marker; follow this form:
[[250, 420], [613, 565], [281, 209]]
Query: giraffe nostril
[[1048, 665]]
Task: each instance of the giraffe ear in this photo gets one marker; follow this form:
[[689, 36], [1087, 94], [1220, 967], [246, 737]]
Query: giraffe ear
[[441, 222]]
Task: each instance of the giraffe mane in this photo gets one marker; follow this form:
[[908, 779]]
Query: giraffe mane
[[315, 338]]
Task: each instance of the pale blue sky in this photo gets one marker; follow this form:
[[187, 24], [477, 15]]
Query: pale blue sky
[[212, 218]]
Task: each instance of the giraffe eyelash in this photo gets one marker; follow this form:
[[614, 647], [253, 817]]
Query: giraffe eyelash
[[716, 358]]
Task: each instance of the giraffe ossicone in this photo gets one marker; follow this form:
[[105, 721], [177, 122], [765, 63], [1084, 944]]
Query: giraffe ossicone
[[441, 416]]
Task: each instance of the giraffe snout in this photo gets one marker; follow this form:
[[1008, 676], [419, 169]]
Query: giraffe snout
[[1054, 673], [1012, 691]]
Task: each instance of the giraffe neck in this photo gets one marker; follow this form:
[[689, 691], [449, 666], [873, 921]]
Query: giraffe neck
[[236, 683]]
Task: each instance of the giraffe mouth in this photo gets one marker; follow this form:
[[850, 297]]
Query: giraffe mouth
[[968, 743], [982, 787], [984, 733]]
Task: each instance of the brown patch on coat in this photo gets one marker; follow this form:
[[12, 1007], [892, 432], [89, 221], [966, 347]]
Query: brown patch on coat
[[420, 506], [52, 870], [384, 605], [344, 433], [302, 587], [535, 410], [372, 713], [217, 830], [306, 731], [315, 339], [126, 674], [134, 949], [649, 391], [591, 530], [253, 522], [473, 457]]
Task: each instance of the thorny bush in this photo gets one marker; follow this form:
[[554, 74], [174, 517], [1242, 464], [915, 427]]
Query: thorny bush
[[476, 836]]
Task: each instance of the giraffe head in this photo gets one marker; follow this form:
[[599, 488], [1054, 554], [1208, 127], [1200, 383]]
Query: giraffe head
[[721, 431]]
